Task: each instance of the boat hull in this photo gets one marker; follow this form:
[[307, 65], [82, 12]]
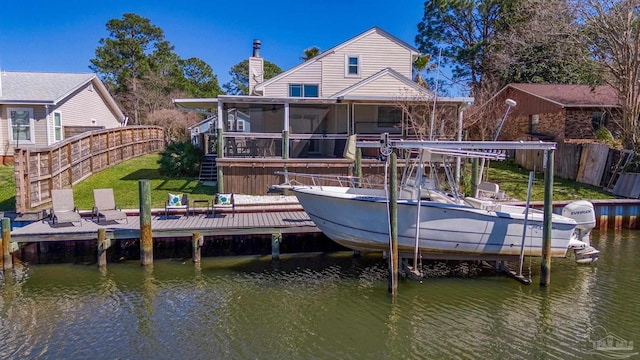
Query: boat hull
[[361, 223]]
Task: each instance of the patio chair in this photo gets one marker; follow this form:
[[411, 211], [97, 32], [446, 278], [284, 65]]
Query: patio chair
[[177, 202], [63, 209], [224, 201], [105, 206]]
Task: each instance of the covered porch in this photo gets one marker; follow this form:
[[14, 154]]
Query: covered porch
[[317, 128], [256, 136]]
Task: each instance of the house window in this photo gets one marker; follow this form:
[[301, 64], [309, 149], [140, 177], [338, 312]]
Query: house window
[[598, 120], [352, 66], [240, 125], [57, 126], [21, 125], [534, 121], [303, 90], [389, 117]]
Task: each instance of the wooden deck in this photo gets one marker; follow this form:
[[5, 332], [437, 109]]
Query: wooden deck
[[240, 223]]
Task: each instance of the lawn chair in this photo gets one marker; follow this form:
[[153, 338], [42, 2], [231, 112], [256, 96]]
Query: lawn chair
[[63, 209], [224, 201], [176, 202], [105, 206]]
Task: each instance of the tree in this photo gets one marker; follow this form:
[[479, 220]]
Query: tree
[[239, 83], [310, 53], [198, 80], [123, 59], [490, 43], [142, 70], [613, 33]]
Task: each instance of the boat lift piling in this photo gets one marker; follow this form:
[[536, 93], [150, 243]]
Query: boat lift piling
[[393, 219], [545, 265]]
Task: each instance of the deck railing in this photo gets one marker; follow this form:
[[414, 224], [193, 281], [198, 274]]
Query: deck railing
[[39, 170]]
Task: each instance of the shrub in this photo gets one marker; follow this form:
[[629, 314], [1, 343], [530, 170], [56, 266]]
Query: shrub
[[180, 159]]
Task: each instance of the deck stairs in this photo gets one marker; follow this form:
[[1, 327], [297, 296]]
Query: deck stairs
[[209, 169]]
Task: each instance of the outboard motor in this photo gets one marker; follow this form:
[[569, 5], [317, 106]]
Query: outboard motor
[[584, 214]]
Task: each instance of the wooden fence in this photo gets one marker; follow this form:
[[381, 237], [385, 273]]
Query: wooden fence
[[39, 170], [590, 163]]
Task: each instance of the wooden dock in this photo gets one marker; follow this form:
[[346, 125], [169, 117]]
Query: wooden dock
[[291, 221]]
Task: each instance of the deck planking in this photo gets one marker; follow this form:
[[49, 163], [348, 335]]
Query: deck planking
[[220, 224]]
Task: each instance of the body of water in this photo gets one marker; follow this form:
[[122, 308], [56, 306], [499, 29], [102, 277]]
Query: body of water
[[321, 306]]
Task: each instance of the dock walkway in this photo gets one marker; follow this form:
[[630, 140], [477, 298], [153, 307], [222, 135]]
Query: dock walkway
[[257, 221]]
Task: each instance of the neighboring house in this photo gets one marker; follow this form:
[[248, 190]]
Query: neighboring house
[[40, 109], [236, 121], [555, 112], [356, 87]]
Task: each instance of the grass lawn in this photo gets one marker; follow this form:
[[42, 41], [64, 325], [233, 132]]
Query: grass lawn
[[124, 177], [514, 181]]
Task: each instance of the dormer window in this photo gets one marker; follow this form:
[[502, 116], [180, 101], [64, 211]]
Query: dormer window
[[352, 66]]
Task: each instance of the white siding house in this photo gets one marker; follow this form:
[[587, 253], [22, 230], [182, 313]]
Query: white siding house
[[352, 88], [347, 64], [39, 109]]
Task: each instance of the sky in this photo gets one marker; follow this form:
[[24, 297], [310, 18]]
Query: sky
[[62, 36]]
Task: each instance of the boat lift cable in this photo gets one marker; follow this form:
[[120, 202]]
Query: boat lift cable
[[526, 218]]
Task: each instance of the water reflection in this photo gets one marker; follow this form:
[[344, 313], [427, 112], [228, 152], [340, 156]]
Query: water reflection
[[317, 306]]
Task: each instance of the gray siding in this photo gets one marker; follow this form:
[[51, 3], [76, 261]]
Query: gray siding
[[85, 108]]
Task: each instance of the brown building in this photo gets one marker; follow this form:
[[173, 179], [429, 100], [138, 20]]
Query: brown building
[[551, 112]]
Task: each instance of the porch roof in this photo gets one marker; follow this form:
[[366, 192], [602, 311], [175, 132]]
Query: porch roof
[[210, 104]]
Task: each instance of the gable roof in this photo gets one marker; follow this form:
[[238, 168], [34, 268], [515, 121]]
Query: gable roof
[[387, 71], [330, 51], [572, 95], [48, 88]]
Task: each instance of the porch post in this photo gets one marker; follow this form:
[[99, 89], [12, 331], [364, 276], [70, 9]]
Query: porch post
[[285, 133], [220, 146]]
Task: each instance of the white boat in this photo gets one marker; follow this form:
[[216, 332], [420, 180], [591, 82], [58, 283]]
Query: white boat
[[444, 226]]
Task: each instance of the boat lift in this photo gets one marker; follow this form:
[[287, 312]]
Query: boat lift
[[484, 150]]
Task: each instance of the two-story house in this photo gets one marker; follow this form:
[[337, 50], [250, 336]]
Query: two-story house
[[362, 86], [39, 109]]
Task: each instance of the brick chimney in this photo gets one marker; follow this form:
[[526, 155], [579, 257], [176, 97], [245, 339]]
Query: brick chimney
[[256, 68]]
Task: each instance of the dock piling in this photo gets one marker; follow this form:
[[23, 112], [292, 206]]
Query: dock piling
[[275, 246], [146, 236], [102, 248], [197, 240], [7, 260]]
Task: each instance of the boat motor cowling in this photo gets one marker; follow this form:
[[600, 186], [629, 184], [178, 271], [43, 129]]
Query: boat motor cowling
[[583, 212]]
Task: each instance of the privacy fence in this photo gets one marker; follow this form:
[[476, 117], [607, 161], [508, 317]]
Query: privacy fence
[[39, 170], [590, 163]]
